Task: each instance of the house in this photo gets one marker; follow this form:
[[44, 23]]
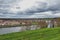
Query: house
[[42, 22]]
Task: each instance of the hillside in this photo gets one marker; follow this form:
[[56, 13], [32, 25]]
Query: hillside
[[41, 34]]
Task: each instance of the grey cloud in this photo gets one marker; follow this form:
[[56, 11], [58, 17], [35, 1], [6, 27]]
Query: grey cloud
[[41, 7], [7, 1], [45, 8]]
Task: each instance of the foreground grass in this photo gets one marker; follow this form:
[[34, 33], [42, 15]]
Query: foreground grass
[[42, 34]]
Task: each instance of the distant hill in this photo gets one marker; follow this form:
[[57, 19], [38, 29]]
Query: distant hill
[[27, 18]]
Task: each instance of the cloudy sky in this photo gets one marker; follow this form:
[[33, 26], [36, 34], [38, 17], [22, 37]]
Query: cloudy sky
[[29, 8]]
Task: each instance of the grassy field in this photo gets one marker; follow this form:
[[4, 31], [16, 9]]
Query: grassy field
[[41, 34]]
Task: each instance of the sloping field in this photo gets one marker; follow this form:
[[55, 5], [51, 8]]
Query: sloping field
[[41, 34]]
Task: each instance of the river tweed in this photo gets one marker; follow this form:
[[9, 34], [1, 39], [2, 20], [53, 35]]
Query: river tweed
[[18, 29]]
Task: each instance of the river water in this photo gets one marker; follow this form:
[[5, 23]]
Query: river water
[[21, 28], [17, 29]]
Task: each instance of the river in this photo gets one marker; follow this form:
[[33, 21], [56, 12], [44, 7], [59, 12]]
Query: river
[[17, 29], [22, 28]]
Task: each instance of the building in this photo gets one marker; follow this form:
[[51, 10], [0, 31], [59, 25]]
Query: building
[[42, 22]]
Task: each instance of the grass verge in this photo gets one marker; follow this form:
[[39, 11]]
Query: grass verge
[[41, 34]]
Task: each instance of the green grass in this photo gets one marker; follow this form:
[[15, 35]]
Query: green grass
[[41, 34]]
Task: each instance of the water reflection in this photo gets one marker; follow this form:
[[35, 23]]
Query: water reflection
[[18, 29], [9, 30]]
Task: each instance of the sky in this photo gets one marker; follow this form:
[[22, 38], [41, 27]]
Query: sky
[[29, 8]]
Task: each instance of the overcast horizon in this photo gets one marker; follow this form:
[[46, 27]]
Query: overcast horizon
[[29, 8]]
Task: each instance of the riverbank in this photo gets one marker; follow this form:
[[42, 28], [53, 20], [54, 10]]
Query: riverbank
[[41, 34], [19, 25], [7, 26]]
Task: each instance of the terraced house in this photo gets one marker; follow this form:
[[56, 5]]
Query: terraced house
[[41, 22]]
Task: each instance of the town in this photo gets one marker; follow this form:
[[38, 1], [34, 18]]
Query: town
[[53, 22]]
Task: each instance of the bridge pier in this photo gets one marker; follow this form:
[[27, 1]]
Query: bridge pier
[[50, 24]]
